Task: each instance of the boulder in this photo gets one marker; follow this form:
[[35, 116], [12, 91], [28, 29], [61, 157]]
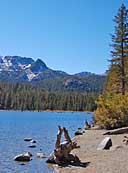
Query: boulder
[[105, 144], [33, 141], [25, 157], [79, 128], [27, 139], [78, 132], [41, 155]]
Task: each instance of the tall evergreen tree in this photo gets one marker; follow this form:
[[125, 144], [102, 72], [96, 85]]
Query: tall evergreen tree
[[120, 47], [112, 107]]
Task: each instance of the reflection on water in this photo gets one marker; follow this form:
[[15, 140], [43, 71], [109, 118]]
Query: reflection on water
[[42, 127]]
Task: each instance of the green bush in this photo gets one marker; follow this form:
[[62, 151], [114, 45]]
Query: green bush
[[112, 111]]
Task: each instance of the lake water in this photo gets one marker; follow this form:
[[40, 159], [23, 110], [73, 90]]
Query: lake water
[[41, 126]]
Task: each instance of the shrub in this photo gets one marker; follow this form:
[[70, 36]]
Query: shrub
[[112, 111]]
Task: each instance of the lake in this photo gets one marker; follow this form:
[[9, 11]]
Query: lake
[[42, 127]]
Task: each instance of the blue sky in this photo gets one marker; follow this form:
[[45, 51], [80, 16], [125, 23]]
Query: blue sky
[[68, 35]]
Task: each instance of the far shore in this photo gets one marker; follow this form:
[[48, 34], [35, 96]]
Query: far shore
[[105, 161], [58, 111]]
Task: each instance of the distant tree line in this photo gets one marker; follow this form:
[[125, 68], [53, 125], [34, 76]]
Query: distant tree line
[[30, 97]]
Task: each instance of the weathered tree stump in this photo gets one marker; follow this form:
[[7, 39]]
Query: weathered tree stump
[[61, 153]]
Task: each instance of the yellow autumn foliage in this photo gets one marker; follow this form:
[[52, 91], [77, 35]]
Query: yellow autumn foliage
[[112, 111]]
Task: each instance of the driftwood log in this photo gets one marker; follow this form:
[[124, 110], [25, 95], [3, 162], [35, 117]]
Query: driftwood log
[[62, 152], [117, 131]]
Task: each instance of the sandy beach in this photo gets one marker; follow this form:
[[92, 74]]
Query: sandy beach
[[105, 161]]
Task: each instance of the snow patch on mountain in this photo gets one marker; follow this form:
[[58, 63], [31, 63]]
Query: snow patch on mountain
[[23, 67], [30, 75], [16, 68]]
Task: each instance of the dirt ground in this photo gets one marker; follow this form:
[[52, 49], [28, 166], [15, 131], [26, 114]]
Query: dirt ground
[[105, 161]]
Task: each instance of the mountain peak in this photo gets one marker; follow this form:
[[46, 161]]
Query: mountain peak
[[22, 69], [38, 66]]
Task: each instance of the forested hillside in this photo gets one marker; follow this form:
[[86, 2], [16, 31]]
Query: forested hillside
[[92, 83], [27, 84], [30, 97]]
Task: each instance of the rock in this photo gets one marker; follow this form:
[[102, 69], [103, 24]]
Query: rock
[[33, 141], [41, 155], [79, 128], [22, 164], [27, 139], [78, 132], [32, 146], [105, 144], [25, 157]]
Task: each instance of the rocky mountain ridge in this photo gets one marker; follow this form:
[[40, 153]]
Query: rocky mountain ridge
[[16, 69], [24, 69]]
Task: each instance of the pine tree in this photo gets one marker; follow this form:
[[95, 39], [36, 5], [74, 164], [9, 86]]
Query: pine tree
[[120, 46], [112, 107]]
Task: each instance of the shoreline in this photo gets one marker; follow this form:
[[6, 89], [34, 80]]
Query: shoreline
[[104, 161], [57, 111]]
